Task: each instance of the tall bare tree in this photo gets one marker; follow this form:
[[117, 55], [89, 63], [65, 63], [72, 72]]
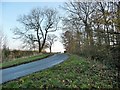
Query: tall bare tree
[[50, 41], [82, 12], [38, 23], [80, 18]]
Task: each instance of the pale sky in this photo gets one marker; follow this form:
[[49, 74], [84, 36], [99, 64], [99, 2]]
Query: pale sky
[[11, 12], [11, 9]]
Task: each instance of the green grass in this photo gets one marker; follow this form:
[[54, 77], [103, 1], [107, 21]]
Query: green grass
[[22, 60], [76, 72]]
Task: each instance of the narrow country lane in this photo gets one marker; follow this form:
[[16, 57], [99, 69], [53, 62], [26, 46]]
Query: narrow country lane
[[28, 68]]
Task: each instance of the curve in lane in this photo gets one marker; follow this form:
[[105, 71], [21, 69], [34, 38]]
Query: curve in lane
[[28, 68]]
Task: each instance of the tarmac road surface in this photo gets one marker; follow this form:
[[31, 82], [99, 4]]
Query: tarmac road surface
[[28, 68]]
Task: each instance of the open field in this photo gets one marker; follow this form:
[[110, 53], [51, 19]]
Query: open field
[[22, 60]]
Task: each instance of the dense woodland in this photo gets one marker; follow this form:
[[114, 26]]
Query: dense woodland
[[93, 30]]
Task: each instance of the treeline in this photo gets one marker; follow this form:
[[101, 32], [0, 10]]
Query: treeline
[[92, 29], [8, 54]]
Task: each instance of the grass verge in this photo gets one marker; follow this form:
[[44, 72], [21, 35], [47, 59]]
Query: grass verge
[[19, 61], [76, 72]]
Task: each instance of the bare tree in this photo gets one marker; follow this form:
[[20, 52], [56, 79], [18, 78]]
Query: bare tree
[[38, 23], [81, 12], [29, 42], [4, 49], [96, 26], [79, 20], [1, 44], [1, 40], [50, 41]]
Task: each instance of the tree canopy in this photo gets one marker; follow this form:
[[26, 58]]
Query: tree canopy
[[36, 26]]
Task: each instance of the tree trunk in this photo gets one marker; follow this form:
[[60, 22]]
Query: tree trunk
[[40, 50], [44, 40], [50, 49], [39, 44]]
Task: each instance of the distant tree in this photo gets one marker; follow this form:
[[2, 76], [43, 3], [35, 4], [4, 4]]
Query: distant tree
[[50, 41], [1, 44], [5, 49], [5, 52], [36, 26]]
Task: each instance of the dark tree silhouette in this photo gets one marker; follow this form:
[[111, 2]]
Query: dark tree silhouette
[[50, 41], [37, 24]]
